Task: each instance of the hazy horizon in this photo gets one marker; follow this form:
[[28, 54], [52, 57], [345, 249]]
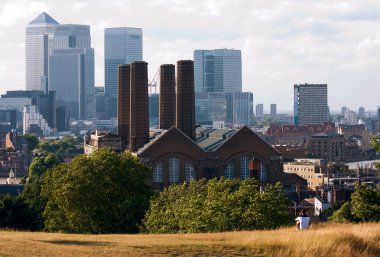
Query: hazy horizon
[[283, 42]]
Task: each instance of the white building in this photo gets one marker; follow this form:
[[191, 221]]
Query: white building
[[38, 47], [33, 120]]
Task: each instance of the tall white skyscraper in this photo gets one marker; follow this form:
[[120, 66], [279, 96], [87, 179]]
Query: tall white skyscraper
[[217, 70], [121, 46], [71, 70], [38, 47]]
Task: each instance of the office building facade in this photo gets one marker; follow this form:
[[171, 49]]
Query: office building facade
[[273, 110], [259, 110], [121, 46], [38, 46], [71, 70], [310, 104], [218, 70]]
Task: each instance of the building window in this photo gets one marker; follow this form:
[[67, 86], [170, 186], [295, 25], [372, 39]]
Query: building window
[[229, 171], [190, 172], [158, 173], [173, 170], [244, 167], [263, 173]]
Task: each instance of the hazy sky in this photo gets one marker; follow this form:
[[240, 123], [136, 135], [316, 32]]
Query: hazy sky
[[283, 42]]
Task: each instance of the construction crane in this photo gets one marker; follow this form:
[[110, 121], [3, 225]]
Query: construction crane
[[152, 84]]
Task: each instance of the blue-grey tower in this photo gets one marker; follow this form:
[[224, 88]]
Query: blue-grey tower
[[121, 46]]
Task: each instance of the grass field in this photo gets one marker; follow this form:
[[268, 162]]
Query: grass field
[[321, 240]]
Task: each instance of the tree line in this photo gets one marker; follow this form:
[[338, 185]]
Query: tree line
[[106, 192]]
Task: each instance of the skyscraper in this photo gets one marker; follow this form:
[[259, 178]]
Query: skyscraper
[[121, 46], [217, 70], [71, 70], [185, 102], [310, 104], [38, 46]]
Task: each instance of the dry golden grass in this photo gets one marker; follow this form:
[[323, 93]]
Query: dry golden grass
[[321, 240]]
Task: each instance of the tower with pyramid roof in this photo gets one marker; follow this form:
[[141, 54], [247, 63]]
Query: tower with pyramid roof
[[38, 46]]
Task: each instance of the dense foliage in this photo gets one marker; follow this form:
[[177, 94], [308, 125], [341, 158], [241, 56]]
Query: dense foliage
[[63, 146], [100, 193], [15, 214], [216, 205], [32, 141], [32, 192], [363, 207]]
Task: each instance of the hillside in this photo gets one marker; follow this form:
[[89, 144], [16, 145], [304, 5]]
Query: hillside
[[323, 240]]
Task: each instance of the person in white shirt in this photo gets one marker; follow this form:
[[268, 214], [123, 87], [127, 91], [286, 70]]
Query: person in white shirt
[[303, 221]]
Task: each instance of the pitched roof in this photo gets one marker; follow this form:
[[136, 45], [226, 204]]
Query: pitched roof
[[44, 18]]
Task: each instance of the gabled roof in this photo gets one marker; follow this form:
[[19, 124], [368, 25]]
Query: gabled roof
[[44, 18]]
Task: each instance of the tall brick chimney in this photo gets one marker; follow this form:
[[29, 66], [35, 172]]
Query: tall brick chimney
[[185, 101], [123, 103], [167, 114]]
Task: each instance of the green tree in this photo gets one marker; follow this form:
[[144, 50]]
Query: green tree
[[15, 213], [99, 193], [365, 203], [32, 192], [32, 141], [216, 205], [343, 214]]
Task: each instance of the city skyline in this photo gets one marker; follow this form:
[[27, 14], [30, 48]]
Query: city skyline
[[282, 43]]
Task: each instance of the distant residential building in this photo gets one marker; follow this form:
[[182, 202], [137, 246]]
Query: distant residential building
[[71, 70], [313, 170], [259, 110], [361, 112], [218, 70], [329, 146], [310, 104], [121, 46], [350, 117], [345, 109], [62, 118], [101, 138], [273, 110], [38, 46], [46, 103], [34, 122]]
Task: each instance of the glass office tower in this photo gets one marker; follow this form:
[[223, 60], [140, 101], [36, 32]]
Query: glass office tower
[[217, 70], [38, 46], [71, 70], [121, 46]]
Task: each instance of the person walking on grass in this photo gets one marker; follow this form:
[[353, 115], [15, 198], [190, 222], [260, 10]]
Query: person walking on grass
[[303, 221]]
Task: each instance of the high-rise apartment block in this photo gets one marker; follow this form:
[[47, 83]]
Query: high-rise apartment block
[[38, 46], [273, 110], [217, 70], [167, 96], [310, 104], [121, 46], [185, 101], [259, 110]]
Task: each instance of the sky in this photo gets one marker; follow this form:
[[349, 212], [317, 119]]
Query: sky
[[283, 43]]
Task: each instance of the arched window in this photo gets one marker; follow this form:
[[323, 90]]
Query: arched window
[[244, 167], [158, 173], [229, 171], [190, 172], [173, 170], [263, 173]]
